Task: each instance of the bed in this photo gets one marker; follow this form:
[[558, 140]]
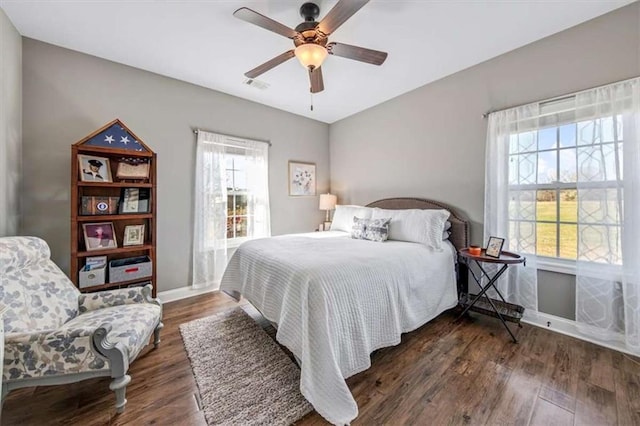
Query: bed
[[335, 299]]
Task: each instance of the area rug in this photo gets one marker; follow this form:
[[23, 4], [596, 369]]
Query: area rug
[[243, 376]]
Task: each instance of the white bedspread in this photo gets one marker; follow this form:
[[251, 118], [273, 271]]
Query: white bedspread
[[336, 300]]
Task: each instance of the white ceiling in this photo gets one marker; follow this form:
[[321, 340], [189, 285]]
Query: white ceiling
[[199, 41]]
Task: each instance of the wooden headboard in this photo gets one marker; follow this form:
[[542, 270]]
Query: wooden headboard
[[459, 226]]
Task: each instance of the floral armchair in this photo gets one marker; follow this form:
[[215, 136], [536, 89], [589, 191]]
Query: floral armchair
[[54, 334]]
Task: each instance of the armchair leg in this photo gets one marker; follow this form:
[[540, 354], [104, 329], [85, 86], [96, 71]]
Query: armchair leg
[[119, 386], [5, 392], [156, 335]]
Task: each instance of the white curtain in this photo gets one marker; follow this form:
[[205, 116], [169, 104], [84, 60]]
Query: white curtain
[[519, 284], [608, 266], [259, 219], [211, 247]]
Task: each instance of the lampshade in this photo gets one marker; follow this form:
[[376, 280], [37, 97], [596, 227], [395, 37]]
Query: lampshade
[[328, 201], [311, 54]]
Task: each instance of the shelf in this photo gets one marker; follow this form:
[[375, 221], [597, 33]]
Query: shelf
[[116, 184], [92, 146], [113, 151], [114, 250], [509, 311], [125, 216], [107, 286]]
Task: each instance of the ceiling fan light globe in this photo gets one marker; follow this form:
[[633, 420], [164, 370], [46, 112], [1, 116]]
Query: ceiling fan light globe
[[311, 55]]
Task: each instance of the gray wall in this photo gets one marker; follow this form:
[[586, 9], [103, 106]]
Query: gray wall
[[10, 125], [430, 142], [67, 95]]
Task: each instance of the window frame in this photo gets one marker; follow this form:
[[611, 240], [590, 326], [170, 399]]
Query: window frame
[[234, 193], [556, 263]]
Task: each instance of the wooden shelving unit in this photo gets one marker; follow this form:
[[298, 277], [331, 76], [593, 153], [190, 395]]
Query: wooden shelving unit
[[134, 151]]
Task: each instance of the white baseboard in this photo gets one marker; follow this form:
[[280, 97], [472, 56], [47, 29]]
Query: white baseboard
[[570, 328], [540, 319], [183, 293]]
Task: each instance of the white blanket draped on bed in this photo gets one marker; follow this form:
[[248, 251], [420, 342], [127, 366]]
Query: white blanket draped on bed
[[336, 300]]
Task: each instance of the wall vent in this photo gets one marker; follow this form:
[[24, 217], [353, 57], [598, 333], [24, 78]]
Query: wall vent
[[261, 85]]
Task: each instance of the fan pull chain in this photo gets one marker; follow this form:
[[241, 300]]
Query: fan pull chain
[[311, 99]]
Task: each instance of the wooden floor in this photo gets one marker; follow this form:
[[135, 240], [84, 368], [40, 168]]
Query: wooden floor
[[443, 373]]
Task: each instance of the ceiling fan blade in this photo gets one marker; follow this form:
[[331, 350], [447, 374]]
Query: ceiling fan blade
[[272, 63], [361, 54], [255, 18], [315, 76], [342, 11]]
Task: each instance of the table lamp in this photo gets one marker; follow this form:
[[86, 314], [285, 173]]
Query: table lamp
[[328, 202]]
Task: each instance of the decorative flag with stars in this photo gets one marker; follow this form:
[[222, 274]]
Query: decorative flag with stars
[[116, 137]]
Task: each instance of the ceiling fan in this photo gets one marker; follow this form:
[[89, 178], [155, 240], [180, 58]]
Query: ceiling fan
[[311, 39]]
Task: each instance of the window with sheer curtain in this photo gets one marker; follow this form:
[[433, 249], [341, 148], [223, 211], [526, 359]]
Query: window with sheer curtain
[[231, 201], [563, 185], [567, 176]]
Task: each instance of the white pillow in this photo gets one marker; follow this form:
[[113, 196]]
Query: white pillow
[[446, 233], [343, 216], [415, 225]]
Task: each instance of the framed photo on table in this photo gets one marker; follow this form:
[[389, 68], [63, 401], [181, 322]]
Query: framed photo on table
[[99, 236], [133, 235], [94, 169], [302, 179], [494, 247]]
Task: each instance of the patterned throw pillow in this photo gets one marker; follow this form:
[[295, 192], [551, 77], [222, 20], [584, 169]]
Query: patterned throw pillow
[[377, 229], [358, 228]]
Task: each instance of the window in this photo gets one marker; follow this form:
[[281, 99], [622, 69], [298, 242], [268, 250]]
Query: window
[[237, 203], [237, 214], [565, 188], [231, 200], [563, 185]]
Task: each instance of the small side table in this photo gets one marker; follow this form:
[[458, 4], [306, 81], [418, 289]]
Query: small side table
[[482, 303]]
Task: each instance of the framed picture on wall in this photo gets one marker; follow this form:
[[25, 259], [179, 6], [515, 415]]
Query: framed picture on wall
[[302, 179]]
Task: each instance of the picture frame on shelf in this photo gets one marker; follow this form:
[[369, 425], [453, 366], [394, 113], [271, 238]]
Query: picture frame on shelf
[[99, 236], [128, 170], [133, 235], [135, 200], [302, 179], [494, 247], [93, 205], [94, 169]]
